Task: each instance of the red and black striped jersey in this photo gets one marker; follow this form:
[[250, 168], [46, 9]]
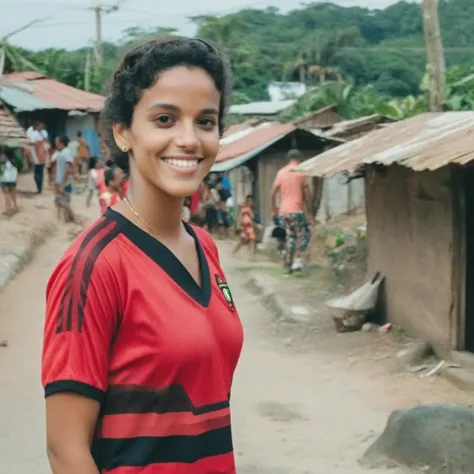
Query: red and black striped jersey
[[128, 326]]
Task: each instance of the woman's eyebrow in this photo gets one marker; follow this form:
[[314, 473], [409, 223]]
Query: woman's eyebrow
[[174, 108], [162, 105], [210, 111]]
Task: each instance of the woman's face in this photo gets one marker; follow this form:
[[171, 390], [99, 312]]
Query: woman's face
[[174, 135]]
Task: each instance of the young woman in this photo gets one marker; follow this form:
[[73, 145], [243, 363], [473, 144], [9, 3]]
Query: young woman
[[142, 336]]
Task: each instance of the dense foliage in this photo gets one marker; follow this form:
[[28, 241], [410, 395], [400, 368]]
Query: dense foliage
[[365, 60]]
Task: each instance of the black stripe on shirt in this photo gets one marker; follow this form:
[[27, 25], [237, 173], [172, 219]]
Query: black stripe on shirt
[[132, 399], [136, 452]]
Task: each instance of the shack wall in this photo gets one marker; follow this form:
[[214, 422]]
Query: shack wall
[[410, 237]]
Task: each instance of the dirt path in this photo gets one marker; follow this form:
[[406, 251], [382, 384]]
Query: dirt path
[[294, 413], [313, 409]]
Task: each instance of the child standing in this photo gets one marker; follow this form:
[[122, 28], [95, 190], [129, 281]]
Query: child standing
[[8, 178], [111, 194], [247, 227], [92, 178]]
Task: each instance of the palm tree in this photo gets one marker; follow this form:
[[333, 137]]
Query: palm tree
[[317, 58], [13, 60], [222, 31]]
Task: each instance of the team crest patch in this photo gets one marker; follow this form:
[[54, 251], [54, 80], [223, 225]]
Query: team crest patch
[[224, 287]]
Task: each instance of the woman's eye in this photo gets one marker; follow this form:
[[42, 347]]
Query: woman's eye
[[164, 120], [207, 122]]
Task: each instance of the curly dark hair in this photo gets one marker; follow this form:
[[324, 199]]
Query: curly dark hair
[[139, 71]]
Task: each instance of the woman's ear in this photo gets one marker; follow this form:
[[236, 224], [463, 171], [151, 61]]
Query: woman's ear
[[121, 136]]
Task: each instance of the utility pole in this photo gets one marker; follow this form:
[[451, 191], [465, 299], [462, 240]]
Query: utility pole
[[435, 66], [98, 35], [98, 10]]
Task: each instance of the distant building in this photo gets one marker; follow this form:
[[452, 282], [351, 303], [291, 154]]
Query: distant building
[[265, 110], [252, 158], [64, 109]]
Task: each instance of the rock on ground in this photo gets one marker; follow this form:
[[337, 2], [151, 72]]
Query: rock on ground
[[432, 438]]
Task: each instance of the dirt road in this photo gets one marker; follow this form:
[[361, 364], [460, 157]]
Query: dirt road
[[294, 413]]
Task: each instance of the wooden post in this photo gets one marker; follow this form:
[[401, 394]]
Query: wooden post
[[435, 65], [98, 35]]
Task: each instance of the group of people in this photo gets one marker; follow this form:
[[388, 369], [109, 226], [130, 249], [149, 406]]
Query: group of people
[[291, 212], [209, 205], [107, 181]]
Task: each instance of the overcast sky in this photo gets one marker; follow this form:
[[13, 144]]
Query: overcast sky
[[71, 25]]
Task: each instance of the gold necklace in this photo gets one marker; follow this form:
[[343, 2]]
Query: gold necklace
[[144, 222]]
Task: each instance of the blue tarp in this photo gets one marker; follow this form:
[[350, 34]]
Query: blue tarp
[[92, 139]]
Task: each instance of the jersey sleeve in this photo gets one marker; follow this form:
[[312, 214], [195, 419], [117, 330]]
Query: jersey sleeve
[[82, 315]]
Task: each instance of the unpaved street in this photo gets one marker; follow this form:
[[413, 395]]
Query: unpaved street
[[293, 412]]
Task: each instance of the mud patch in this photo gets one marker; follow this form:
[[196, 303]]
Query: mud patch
[[280, 412]]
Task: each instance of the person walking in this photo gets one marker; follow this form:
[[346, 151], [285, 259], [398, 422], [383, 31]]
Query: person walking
[[64, 178], [38, 152], [142, 336], [294, 211]]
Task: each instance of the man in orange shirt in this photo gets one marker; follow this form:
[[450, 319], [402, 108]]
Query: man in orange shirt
[[294, 211]]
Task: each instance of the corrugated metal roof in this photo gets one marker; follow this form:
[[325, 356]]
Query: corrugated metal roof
[[243, 133], [325, 117], [255, 142], [236, 128], [228, 165], [51, 92], [425, 142], [255, 138], [261, 108], [346, 126], [22, 101], [11, 133]]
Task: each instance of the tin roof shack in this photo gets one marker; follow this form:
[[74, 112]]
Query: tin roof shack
[[321, 119], [12, 134], [263, 150], [356, 128], [419, 185], [64, 109]]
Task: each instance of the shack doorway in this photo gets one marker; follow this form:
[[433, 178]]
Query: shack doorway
[[469, 265]]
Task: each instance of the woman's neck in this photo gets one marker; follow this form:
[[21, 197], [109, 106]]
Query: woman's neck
[[159, 210]]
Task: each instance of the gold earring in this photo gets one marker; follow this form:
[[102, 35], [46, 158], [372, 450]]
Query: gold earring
[[125, 149]]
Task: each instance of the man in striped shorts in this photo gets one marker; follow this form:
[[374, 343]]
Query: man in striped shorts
[[294, 211]]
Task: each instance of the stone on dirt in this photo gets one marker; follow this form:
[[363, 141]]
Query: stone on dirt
[[368, 327], [434, 438], [299, 314]]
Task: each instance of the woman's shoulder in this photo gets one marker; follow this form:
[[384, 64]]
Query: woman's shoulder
[[93, 251]]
